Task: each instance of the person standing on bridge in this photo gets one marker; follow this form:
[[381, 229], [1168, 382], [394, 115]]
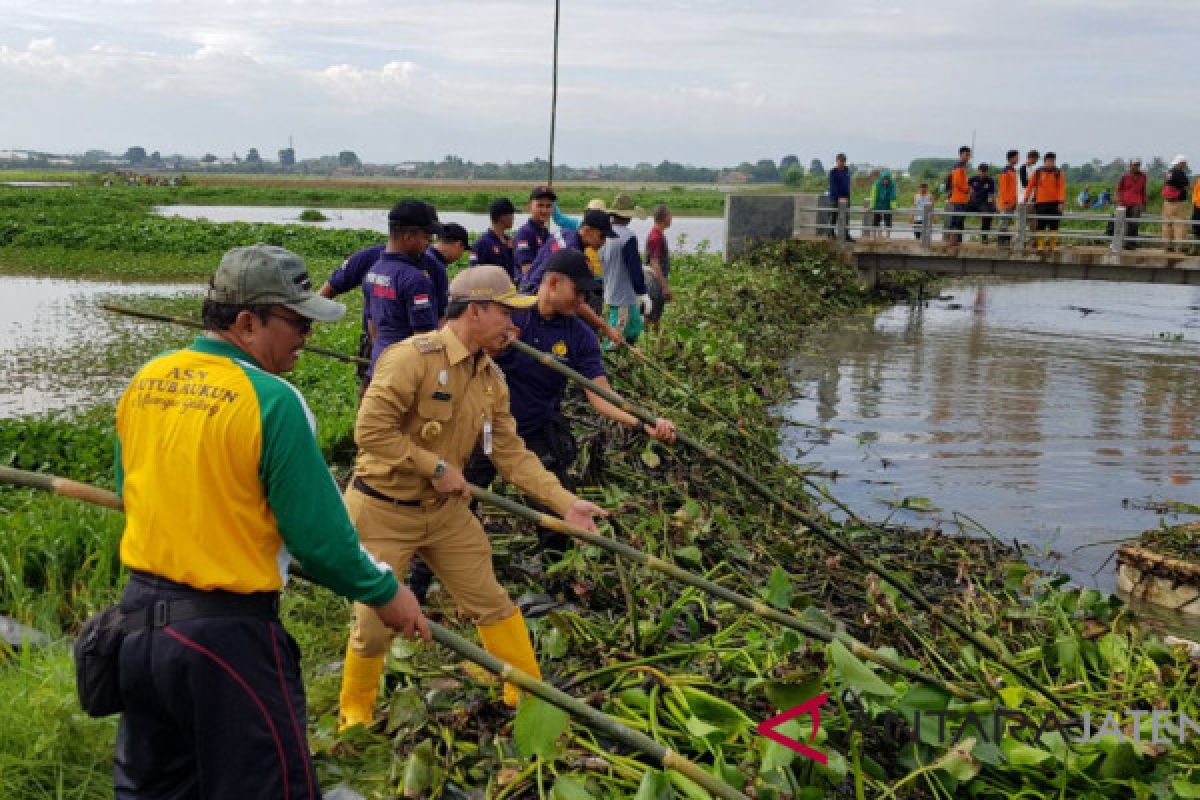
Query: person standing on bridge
[[882, 201], [922, 205], [983, 198], [1177, 205], [1048, 192], [839, 190], [958, 187], [1006, 196], [1196, 212], [1131, 193]]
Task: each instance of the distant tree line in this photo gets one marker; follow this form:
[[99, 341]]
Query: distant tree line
[[788, 170]]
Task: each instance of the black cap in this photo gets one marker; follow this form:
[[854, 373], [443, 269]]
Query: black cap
[[595, 218], [543, 191], [500, 207], [574, 265], [415, 214], [453, 232], [984, 167]]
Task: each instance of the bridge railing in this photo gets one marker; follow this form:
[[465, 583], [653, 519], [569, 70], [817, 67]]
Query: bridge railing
[[1016, 230]]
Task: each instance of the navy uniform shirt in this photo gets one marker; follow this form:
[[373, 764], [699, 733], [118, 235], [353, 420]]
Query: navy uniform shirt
[[535, 391], [491, 249], [352, 271], [555, 242], [435, 265], [400, 301], [527, 242]]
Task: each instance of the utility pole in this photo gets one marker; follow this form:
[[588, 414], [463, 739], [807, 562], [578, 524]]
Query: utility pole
[[553, 97]]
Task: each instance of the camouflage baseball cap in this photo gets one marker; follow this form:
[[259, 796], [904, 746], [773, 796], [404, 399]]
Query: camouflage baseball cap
[[488, 282], [263, 274]]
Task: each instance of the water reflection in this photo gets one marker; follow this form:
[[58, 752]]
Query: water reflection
[[57, 349], [1035, 408]]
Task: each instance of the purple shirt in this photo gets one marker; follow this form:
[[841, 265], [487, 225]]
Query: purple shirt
[[400, 301], [527, 242], [533, 278], [491, 249], [536, 391]]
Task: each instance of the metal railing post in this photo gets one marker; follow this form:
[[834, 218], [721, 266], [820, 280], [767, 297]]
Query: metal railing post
[[927, 227], [1118, 237], [843, 219], [1021, 223]]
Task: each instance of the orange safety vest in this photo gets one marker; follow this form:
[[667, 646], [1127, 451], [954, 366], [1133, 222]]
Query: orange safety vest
[[1006, 186], [1047, 186], [960, 189], [1196, 194]]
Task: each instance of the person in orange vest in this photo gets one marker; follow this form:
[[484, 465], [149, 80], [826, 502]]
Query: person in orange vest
[[1006, 195], [1196, 213], [959, 194], [1048, 192]]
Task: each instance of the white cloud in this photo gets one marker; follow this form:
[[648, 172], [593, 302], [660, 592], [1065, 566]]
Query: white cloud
[[708, 81]]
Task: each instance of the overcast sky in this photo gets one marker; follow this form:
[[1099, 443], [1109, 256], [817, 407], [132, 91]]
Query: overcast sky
[[708, 82]]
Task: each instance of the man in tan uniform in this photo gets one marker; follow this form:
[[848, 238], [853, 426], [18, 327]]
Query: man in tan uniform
[[433, 397]]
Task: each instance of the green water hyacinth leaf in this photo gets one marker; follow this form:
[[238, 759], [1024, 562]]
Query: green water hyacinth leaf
[[418, 770], [1184, 789], [568, 788], [855, 673], [537, 728], [651, 459], [779, 588], [655, 785], [1023, 755], [715, 711]]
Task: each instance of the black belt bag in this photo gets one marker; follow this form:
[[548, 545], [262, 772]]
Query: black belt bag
[[98, 646]]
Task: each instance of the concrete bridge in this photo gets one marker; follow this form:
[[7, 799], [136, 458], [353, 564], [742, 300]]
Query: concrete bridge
[[1083, 253]]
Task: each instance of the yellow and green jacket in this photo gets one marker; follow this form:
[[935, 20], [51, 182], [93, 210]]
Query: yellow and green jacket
[[224, 483]]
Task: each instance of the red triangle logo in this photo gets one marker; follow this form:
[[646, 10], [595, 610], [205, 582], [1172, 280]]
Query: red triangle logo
[[813, 707]]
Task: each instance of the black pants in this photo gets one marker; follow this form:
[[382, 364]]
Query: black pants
[[1046, 210], [555, 446], [1131, 226], [985, 223], [214, 708]]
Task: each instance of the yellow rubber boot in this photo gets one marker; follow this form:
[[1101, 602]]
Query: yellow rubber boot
[[360, 687], [509, 642], [1053, 241]]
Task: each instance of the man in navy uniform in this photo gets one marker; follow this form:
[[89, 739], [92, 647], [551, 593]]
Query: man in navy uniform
[[536, 391], [495, 246], [533, 234], [448, 249], [400, 294]]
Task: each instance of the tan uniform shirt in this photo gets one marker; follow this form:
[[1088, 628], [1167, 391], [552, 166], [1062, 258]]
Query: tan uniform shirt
[[430, 399]]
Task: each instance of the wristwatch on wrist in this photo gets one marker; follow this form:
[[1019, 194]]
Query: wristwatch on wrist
[[440, 469]]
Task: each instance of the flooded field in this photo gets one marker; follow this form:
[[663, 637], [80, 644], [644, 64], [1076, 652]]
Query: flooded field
[[694, 229], [1061, 414], [56, 346]]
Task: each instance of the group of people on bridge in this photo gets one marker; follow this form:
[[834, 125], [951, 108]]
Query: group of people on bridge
[[212, 697], [1039, 184]]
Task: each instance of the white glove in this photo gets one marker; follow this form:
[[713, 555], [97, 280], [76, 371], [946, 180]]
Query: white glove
[[646, 304]]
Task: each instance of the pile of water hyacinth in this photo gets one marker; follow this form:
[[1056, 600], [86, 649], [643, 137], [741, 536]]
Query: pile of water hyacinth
[[1009, 683]]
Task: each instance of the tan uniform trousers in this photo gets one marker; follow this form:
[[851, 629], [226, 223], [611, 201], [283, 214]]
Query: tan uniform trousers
[[1178, 219], [450, 540]]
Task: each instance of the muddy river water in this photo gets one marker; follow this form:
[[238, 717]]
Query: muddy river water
[[1059, 414]]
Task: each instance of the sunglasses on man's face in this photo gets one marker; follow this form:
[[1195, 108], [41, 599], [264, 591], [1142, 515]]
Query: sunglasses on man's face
[[302, 325]]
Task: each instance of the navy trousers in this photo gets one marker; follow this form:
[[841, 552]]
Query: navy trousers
[[214, 708]]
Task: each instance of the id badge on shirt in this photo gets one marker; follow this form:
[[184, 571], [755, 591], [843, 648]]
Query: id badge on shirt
[[487, 436]]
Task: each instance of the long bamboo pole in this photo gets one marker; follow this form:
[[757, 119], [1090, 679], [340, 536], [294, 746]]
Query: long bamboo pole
[[756, 607], [663, 756], [191, 323], [808, 520]]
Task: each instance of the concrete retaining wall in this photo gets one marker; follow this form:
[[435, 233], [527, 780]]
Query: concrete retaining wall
[[753, 218]]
